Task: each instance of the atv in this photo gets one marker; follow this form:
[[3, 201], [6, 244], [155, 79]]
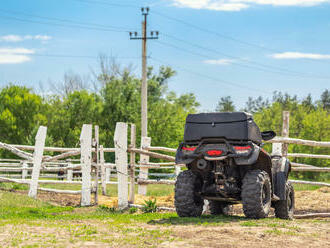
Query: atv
[[226, 165]]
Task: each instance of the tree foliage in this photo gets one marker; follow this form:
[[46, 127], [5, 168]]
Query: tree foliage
[[225, 105], [117, 100], [308, 120]]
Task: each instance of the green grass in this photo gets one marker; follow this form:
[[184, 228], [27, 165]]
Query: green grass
[[300, 187], [152, 190], [33, 223]]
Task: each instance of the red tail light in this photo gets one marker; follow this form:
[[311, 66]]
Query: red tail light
[[189, 148], [242, 149], [214, 152]]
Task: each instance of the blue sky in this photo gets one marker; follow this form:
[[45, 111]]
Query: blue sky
[[239, 48]]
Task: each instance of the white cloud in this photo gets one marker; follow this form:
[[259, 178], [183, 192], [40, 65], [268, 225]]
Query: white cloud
[[219, 61], [18, 38], [15, 55], [297, 55], [237, 5]]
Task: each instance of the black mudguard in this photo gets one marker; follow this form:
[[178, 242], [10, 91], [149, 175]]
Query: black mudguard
[[250, 159], [180, 158], [281, 169]]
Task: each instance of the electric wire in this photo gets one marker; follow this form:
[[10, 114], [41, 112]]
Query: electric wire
[[65, 20], [205, 30], [265, 69], [60, 25], [72, 56], [279, 69], [222, 81], [125, 5]]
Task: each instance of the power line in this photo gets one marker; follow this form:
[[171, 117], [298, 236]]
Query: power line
[[264, 69], [70, 56], [107, 3], [64, 20], [237, 58], [214, 32], [62, 25], [222, 81], [227, 37]]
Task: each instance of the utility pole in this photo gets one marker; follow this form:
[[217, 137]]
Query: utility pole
[[144, 86]]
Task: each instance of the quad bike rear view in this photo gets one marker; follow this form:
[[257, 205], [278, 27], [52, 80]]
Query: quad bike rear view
[[226, 165]]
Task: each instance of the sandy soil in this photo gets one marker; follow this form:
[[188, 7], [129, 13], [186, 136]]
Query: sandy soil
[[172, 232], [316, 201]]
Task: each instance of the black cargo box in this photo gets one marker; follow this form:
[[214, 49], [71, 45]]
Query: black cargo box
[[230, 125]]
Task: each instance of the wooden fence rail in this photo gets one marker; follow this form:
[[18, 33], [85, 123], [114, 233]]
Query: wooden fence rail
[[95, 170]]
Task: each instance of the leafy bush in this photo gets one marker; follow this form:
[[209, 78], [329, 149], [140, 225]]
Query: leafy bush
[[149, 206], [107, 209], [132, 210]]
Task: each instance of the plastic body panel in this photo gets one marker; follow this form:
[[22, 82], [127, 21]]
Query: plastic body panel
[[230, 126]]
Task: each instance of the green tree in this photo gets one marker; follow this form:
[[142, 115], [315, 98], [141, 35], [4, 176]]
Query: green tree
[[66, 116], [21, 112], [225, 104]]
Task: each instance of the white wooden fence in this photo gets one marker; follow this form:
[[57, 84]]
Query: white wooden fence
[[95, 170]]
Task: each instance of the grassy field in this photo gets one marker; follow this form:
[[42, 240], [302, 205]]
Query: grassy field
[[25, 222]]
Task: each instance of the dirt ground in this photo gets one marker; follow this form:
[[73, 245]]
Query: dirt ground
[[316, 201], [168, 230], [168, 233]]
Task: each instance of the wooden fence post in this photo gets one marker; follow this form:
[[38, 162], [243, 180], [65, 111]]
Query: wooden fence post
[[143, 174], [177, 170], [86, 163], [120, 141], [132, 165], [97, 165], [24, 171], [107, 174], [285, 131], [277, 149], [37, 159], [103, 173], [69, 175]]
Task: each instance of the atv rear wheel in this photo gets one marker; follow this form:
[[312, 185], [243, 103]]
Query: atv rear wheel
[[284, 208], [218, 207], [256, 194], [186, 200]]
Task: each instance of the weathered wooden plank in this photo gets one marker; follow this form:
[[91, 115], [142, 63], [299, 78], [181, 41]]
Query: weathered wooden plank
[[56, 149], [103, 179], [277, 149], [37, 158], [60, 191], [97, 165], [151, 181], [144, 158], [160, 148], [158, 164], [86, 163], [24, 171], [299, 142], [152, 154], [305, 155], [120, 141], [132, 165], [16, 151], [302, 165], [311, 169], [311, 215], [61, 156], [69, 172], [309, 182], [285, 131]]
